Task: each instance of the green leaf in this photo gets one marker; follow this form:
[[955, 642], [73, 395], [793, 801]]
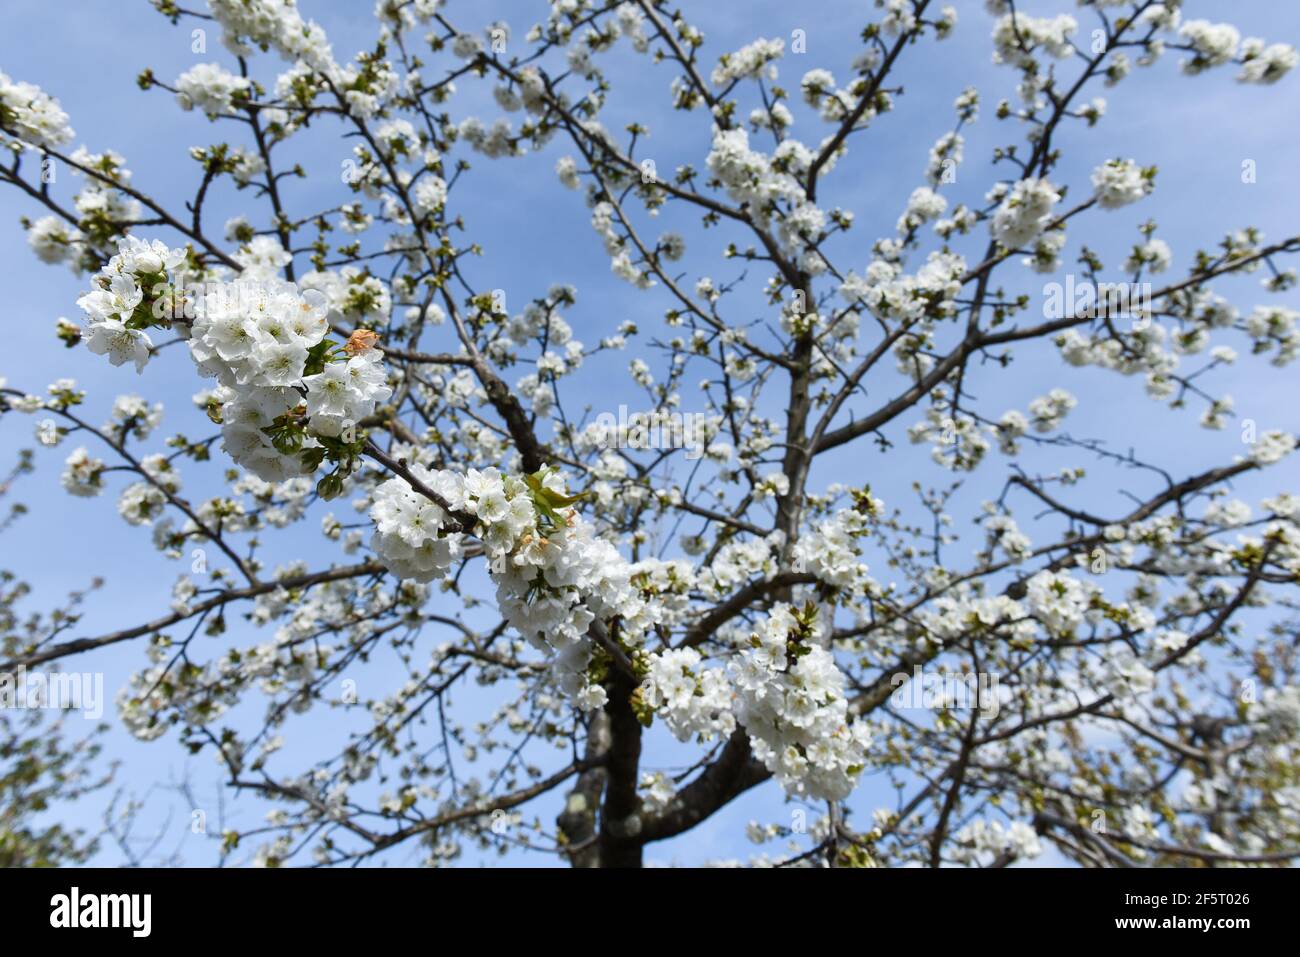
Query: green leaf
[[317, 356]]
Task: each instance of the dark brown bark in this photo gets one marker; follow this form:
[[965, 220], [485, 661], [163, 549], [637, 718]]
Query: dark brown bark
[[620, 822], [577, 822]]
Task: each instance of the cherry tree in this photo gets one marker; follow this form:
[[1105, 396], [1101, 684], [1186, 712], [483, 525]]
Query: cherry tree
[[713, 578]]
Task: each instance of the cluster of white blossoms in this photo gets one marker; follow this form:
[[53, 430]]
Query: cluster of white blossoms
[[529, 93], [211, 88], [692, 701], [1046, 255], [961, 612], [142, 502], [121, 305], [1213, 44], [818, 90], [1009, 430], [83, 474], [1059, 601], [554, 576], [32, 115], [892, 294], [1275, 326], [783, 688], [263, 354], [922, 206], [737, 562], [262, 342], [1016, 38], [749, 61], [566, 168], [790, 699], [1025, 211], [1154, 255], [1278, 714], [416, 538], [355, 296], [956, 440], [1266, 63], [1049, 410], [53, 240], [102, 207], [1119, 182], [1004, 533], [982, 842], [281, 385], [275, 24], [1272, 446], [948, 150], [830, 551], [133, 416], [1125, 675], [761, 182]]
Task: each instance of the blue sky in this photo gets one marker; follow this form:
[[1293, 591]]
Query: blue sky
[[1198, 130]]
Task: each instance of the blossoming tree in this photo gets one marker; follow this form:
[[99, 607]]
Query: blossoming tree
[[745, 610]]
